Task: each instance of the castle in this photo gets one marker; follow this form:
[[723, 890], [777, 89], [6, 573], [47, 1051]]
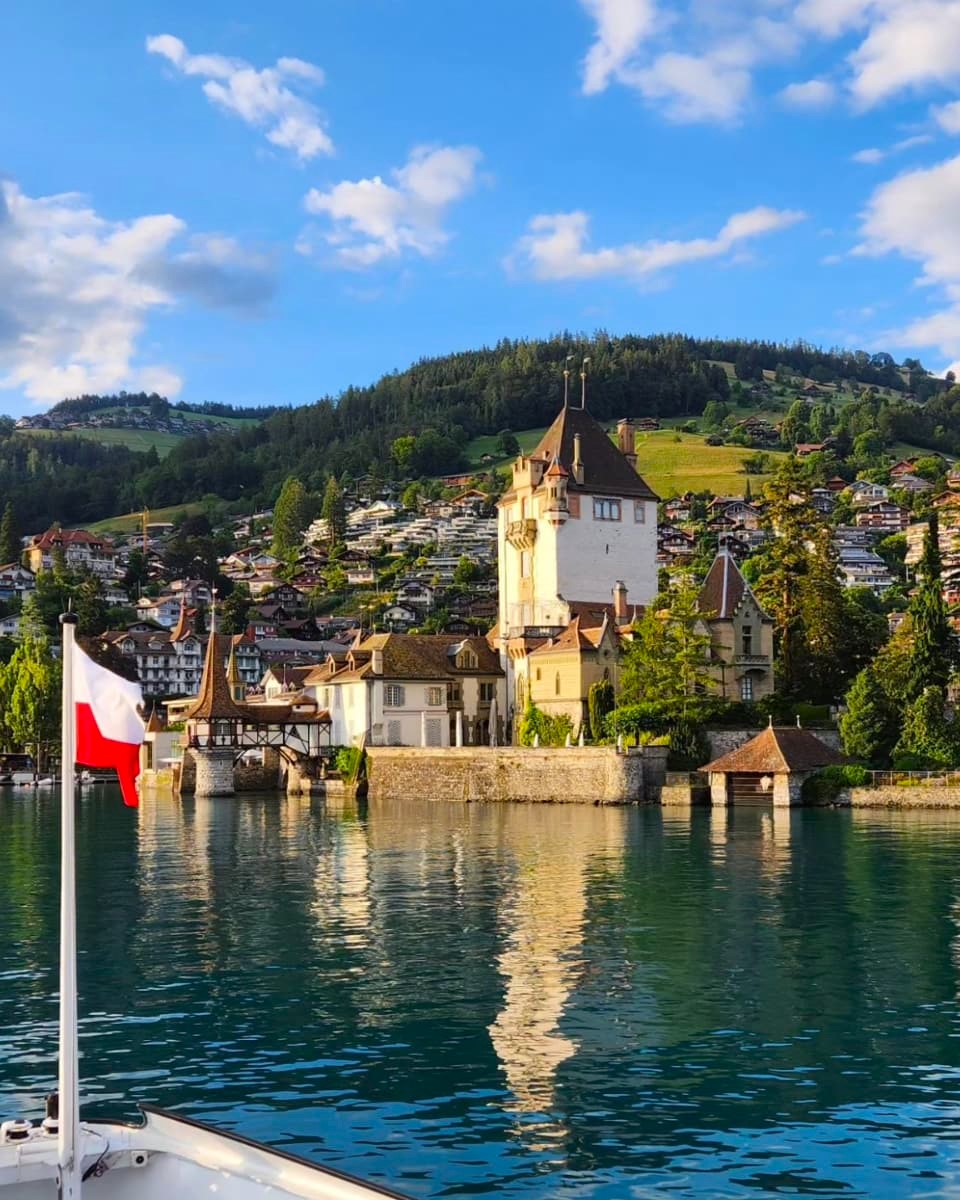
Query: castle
[[578, 560]]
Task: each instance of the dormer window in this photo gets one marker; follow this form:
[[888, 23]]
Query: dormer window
[[466, 659]]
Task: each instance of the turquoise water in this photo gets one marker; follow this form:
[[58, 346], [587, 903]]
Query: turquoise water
[[515, 1001]]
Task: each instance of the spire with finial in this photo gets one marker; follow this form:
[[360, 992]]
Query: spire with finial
[[566, 380], [237, 687], [183, 627]]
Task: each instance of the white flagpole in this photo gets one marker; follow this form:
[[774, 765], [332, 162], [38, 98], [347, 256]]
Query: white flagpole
[[68, 1145]]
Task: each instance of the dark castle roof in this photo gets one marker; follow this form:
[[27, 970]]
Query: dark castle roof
[[605, 470]]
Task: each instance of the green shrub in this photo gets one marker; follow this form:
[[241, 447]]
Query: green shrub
[[347, 761], [826, 785], [552, 731], [600, 702]]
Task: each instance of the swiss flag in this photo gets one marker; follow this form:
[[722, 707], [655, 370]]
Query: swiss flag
[[109, 728]]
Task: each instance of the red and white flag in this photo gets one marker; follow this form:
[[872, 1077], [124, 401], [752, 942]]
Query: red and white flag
[[109, 728]]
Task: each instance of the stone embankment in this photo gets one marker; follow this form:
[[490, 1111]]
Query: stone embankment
[[588, 775], [916, 796]]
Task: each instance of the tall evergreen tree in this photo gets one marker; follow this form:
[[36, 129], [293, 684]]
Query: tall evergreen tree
[[932, 654], [779, 587], [290, 517], [669, 659], [870, 725], [10, 547], [824, 617], [334, 512]]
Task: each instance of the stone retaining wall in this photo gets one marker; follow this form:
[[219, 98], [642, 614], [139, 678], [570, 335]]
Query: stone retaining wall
[[922, 796], [722, 741], [592, 775]]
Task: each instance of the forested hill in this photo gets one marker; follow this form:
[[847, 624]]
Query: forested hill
[[444, 402]]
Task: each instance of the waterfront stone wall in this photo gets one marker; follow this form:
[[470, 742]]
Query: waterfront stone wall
[[592, 775], [921, 796], [682, 789], [722, 741]]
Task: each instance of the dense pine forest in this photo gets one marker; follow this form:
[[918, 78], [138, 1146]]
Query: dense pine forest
[[443, 403]]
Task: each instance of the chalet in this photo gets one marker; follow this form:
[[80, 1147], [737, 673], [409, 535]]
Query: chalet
[[81, 550], [805, 449], [823, 500], [883, 515], [836, 484], [904, 467], [913, 484], [680, 508], [863, 493], [16, 582], [289, 597], [399, 617]]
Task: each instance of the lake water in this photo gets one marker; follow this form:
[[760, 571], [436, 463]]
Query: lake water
[[514, 1001]]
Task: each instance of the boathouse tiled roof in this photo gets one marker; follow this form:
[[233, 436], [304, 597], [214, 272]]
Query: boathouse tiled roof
[[775, 751]]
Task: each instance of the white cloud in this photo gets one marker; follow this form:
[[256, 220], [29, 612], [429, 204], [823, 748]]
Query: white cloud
[[814, 93], [697, 59], [372, 220], [874, 155], [556, 246], [76, 289], [694, 88], [622, 25], [914, 216], [264, 99], [947, 117], [914, 43]]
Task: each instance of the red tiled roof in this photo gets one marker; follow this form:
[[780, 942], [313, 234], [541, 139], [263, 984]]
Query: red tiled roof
[[776, 750]]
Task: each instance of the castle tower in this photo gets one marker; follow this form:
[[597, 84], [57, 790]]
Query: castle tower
[[576, 523]]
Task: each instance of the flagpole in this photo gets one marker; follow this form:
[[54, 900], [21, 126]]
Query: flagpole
[[68, 1129]]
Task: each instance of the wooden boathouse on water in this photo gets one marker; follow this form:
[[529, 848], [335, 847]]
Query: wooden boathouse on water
[[770, 768]]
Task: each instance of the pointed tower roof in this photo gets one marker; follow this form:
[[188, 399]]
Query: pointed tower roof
[[724, 588], [215, 700], [605, 470], [153, 722], [557, 471], [184, 625]]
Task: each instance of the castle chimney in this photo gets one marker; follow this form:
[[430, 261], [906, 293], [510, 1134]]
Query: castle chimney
[[577, 459], [376, 662], [627, 441], [620, 601]]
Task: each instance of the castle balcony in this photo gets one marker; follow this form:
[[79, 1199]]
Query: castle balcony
[[751, 660], [522, 534]]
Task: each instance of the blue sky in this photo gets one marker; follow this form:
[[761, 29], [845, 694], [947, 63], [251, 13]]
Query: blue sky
[[266, 203]]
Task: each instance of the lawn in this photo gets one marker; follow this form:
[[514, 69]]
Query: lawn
[[673, 463], [134, 439], [130, 522], [480, 446], [139, 440]]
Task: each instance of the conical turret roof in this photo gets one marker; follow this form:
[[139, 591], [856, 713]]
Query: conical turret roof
[[215, 701]]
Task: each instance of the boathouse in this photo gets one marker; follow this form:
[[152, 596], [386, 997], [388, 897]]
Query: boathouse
[[770, 768]]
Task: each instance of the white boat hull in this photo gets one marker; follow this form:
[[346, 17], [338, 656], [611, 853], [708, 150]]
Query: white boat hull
[[170, 1157]]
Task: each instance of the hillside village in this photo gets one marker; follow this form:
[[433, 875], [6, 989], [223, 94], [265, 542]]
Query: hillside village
[[477, 572]]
